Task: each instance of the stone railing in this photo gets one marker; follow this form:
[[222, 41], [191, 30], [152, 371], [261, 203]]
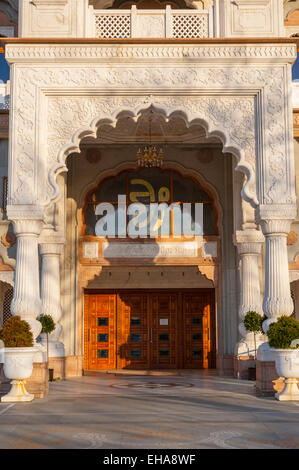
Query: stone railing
[[168, 23], [224, 19]]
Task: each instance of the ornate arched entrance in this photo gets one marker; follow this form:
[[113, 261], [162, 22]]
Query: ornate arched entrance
[[238, 93], [150, 324]]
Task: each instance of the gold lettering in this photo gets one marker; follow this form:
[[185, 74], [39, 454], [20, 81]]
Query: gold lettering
[[163, 194], [150, 191]]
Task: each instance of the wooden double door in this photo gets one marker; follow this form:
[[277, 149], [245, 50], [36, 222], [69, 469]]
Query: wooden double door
[[149, 329]]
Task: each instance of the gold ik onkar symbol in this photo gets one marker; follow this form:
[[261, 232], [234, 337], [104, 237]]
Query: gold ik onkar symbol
[[163, 196]]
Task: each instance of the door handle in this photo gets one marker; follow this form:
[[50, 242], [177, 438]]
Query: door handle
[[151, 335], [89, 335]]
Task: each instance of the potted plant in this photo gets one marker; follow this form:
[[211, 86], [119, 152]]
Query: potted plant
[[253, 323], [284, 341], [18, 357], [48, 325]]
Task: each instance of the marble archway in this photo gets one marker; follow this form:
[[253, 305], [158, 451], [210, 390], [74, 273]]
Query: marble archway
[[237, 92]]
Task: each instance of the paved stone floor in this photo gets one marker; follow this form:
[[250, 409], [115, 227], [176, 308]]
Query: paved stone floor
[[201, 411]]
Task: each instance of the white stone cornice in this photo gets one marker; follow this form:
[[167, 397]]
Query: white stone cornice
[[80, 52]]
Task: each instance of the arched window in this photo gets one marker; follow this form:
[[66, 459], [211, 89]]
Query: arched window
[[149, 186]]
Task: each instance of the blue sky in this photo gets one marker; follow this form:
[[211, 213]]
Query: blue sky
[[4, 69]]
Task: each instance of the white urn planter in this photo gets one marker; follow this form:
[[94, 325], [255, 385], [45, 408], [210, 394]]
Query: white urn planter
[[18, 366], [287, 366]]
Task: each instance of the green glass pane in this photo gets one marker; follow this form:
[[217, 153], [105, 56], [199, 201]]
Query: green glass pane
[[135, 353], [197, 321], [163, 337], [135, 321], [197, 353], [103, 353], [135, 338], [102, 338], [164, 353]]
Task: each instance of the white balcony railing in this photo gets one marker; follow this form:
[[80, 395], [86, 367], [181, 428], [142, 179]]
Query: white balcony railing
[[168, 23]]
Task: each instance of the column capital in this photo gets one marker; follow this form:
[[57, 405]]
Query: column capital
[[249, 236], [50, 248], [25, 212], [27, 220], [29, 227], [249, 241], [51, 242], [275, 219], [277, 211]]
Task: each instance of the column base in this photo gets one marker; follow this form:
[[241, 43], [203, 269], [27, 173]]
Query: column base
[[56, 349], [74, 366], [241, 366], [38, 383], [41, 354], [58, 366], [225, 365], [17, 393]]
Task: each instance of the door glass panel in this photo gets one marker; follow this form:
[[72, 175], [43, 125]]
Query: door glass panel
[[103, 338], [135, 338], [135, 321], [197, 321], [197, 353], [102, 353], [103, 321], [135, 353], [163, 337], [164, 353], [197, 337]]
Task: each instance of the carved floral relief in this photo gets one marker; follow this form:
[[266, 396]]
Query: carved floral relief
[[223, 99]]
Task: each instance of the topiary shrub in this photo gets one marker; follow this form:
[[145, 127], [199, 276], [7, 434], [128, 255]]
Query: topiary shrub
[[48, 324], [283, 332], [16, 333], [253, 322]]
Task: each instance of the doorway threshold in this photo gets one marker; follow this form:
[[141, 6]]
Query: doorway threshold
[[143, 372]]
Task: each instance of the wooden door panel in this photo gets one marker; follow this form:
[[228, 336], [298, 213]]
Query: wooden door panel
[[163, 337], [132, 331], [100, 331], [197, 334], [142, 330]]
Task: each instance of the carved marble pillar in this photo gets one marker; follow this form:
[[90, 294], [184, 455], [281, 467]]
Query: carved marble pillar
[[249, 244], [50, 293], [26, 299], [275, 224]]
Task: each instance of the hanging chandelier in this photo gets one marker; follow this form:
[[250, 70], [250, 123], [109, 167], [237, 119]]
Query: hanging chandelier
[[150, 156]]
